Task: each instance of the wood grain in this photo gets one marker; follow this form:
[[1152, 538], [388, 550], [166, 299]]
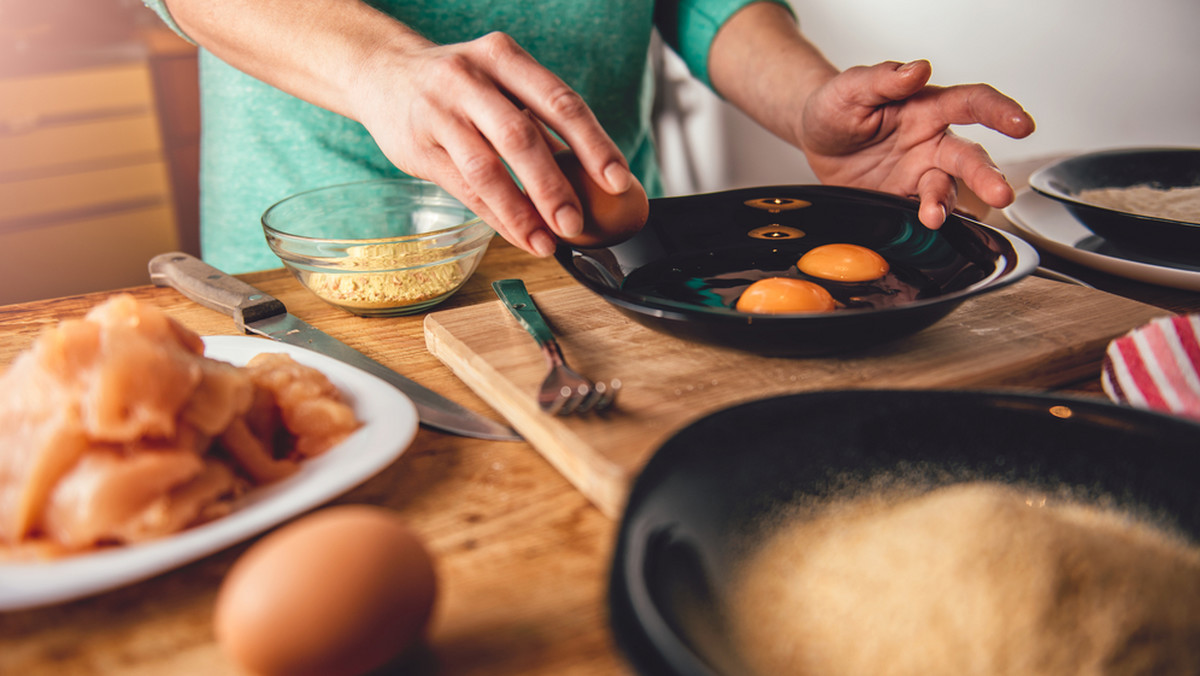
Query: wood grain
[[1034, 334], [522, 557]]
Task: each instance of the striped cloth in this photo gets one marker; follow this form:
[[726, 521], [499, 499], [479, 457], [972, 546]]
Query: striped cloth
[[1157, 366]]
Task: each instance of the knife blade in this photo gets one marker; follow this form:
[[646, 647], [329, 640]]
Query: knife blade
[[257, 312]]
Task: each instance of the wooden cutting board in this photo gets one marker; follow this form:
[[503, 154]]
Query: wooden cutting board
[[1034, 334]]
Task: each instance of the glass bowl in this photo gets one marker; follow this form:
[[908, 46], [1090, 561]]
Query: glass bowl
[[378, 248]]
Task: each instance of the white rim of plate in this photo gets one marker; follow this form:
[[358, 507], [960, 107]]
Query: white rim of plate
[[389, 426], [1049, 225]]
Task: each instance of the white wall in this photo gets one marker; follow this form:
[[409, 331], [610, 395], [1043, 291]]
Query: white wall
[[1093, 73]]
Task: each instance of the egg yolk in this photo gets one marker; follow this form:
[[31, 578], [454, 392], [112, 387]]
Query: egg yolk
[[843, 263], [782, 295]]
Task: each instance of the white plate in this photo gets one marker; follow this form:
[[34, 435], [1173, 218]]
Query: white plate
[[1048, 224], [389, 425]]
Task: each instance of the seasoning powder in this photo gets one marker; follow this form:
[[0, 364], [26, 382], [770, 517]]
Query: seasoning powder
[[393, 274]]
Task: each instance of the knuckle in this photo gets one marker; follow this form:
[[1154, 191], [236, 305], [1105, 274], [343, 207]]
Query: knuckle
[[980, 97], [453, 69], [526, 219], [498, 45], [973, 154], [985, 89], [480, 169], [517, 134], [548, 188], [566, 103]]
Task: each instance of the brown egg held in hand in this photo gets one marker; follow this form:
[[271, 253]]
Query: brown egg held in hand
[[607, 219], [843, 263], [784, 295], [339, 592]]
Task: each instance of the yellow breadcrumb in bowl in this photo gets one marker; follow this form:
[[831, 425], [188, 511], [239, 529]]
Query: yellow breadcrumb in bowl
[[378, 248]]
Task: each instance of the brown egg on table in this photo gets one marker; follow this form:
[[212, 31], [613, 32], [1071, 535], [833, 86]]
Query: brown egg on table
[[783, 295], [843, 263], [607, 219], [340, 592]]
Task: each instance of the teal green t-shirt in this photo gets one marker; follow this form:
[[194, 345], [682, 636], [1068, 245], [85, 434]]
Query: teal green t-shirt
[[259, 144]]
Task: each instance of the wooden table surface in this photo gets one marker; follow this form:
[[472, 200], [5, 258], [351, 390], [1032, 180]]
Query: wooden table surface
[[522, 557]]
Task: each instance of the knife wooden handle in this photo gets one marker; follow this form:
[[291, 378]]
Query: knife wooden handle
[[213, 289]]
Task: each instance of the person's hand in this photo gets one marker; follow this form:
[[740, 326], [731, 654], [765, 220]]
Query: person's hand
[[462, 115], [884, 127]]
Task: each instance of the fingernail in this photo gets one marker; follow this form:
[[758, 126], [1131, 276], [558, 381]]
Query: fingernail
[[568, 220], [542, 244], [618, 177], [939, 221], [907, 67]]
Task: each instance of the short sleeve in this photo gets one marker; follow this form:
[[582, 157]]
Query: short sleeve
[[689, 27], [160, 8]]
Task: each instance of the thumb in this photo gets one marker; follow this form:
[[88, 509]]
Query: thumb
[[895, 82]]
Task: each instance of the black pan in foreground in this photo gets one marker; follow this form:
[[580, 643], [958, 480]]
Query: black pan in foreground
[[708, 486]]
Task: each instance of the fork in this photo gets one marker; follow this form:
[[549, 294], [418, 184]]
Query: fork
[[564, 391]]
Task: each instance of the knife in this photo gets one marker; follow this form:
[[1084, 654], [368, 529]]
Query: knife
[[257, 312]]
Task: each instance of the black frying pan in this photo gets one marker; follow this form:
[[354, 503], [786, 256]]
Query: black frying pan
[[703, 490], [683, 271]]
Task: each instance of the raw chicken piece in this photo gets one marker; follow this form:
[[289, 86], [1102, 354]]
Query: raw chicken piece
[[123, 376], [115, 428], [311, 407]]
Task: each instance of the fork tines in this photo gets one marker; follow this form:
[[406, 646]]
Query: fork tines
[[583, 399]]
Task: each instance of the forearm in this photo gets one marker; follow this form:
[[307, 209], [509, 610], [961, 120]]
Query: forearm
[[761, 63], [315, 50]]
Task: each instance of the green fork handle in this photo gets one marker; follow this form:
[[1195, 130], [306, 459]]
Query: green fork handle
[[516, 298]]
